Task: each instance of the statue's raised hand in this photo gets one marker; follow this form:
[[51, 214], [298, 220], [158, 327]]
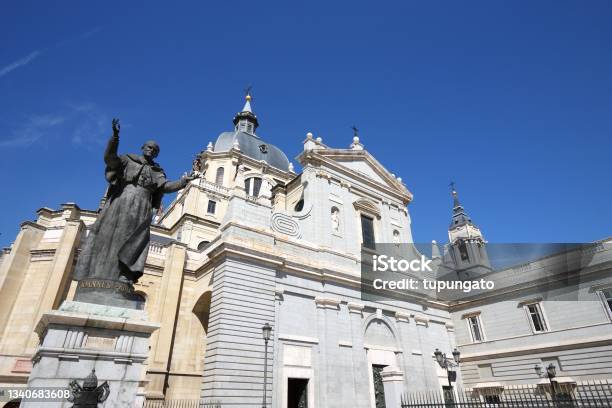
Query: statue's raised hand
[[116, 127]]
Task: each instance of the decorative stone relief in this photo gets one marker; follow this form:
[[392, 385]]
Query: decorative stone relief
[[327, 303], [421, 320], [335, 220], [402, 317], [285, 225], [355, 308]]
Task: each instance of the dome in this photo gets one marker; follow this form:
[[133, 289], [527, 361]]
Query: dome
[[253, 147]]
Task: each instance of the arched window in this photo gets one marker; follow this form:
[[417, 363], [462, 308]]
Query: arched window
[[219, 177], [202, 245], [252, 186]]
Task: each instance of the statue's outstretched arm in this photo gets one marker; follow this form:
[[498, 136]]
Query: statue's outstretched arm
[[172, 186], [111, 158]]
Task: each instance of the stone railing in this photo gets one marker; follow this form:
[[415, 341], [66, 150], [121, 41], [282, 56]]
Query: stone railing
[[215, 188], [156, 248]]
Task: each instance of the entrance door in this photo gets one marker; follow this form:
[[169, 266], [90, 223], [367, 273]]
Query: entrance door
[[449, 394], [297, 393], [379, 387]]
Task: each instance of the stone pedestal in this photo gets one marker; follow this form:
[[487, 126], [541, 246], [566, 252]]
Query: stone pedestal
[[80, 337]]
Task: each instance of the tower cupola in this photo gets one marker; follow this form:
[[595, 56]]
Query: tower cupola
[[246, 121]]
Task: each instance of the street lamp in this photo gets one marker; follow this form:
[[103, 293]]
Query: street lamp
[[266, 330], [551, 372], [448, 363]]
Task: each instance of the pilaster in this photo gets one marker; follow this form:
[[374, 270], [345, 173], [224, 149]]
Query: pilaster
[[14, 269], [60, 275], [360, 361], [166, 314]]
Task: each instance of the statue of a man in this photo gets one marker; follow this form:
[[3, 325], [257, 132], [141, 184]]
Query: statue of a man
[[114, 253]]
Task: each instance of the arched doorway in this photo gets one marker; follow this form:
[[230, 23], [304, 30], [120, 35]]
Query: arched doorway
[[382, 346]]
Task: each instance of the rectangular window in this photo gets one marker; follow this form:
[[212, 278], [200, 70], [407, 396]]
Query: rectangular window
[[297, 393], [475, 328], [536, 317], [212, 205], [367, 232], [256, 186], [492, 399]]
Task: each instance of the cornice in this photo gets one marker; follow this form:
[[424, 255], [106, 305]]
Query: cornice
[[32, 224]]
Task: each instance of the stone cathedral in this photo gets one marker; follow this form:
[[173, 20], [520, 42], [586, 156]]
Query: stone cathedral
[[254, 242]]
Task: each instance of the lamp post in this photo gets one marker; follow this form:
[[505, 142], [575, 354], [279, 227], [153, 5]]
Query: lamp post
[[551, 372], [447, 364], [266, 330]]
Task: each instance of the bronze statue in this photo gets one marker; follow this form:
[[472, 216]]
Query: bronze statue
[[114, 253], [90, 394]]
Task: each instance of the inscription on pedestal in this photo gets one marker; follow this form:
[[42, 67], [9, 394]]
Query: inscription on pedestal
[[105, 284], [100, 342]]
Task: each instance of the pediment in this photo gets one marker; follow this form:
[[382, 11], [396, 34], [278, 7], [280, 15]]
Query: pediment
[[364, 164]]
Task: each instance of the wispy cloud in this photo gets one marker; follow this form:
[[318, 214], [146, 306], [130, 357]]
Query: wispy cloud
[[33, 129], [82, 124], [37, 53], [91, 124], [20, 63]]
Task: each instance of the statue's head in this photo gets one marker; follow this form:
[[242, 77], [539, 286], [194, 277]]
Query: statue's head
[[91, 381], [150, 149]]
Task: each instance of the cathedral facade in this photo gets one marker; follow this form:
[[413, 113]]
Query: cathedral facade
[[252, 243]]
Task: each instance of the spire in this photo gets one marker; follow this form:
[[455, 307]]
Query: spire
[[247, 104], [246, 121], [459, 215]]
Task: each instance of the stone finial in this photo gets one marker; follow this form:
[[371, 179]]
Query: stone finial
[[435, 250], [209, 147], [309, 135], [236, 145], [356, 145], [291, 168], [319, 139], [399, 179]]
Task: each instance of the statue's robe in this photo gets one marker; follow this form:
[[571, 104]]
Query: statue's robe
[[118, 242]]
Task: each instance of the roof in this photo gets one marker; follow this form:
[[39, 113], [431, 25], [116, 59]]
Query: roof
[[254, 147]]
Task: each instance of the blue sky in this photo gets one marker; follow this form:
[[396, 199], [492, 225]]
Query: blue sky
[[511, 100]]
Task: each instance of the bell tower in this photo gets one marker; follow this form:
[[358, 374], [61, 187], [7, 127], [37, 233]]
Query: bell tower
[[467, 253]]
